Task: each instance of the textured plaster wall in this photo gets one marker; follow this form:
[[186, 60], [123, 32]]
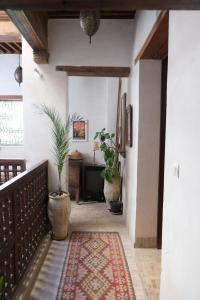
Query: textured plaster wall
[[88, 97], [148, 149], [181, 223], [143, 23]]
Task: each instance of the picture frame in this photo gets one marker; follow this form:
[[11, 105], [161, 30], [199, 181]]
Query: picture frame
[[122, 126], [117, 132], [129, 126], [80, 131]]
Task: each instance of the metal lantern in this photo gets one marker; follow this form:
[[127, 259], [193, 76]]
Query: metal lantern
[[90, 21], [18, 73]]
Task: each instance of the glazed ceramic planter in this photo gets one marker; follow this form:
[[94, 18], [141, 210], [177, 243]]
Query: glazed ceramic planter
[[112, 190], [116, 207], [59, 208]]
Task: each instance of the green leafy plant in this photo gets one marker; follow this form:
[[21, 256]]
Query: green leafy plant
[[60, 137], [1, 284], [109, 148]]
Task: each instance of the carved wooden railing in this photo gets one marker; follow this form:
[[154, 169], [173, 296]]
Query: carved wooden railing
[[23, 223], [10, 168]]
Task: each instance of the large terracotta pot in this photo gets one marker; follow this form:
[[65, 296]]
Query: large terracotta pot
[[59, 208], [112, 190]]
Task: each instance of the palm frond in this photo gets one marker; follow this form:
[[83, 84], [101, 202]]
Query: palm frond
[[61, 141]]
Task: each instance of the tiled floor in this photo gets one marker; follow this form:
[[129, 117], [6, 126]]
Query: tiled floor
[[144, 264]]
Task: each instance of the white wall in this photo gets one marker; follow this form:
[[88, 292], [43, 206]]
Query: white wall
[[143, 23], [95, 99], [181, 223], [9, 86], [49, 89], [8, 65], [88, 97], [112, 101], [111, 45], [68, 45], [148, 149]]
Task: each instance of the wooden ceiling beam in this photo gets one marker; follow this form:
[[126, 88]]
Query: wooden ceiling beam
[[117, 5], [4, 16], [95, 71], [8, 31], [3, 49], [12, 47], [104, 14], [10, 38], [18, 47], [9, 48], [156, 43], [33, 27]]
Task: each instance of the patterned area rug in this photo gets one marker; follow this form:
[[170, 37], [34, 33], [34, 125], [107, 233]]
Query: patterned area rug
[[95, 268]]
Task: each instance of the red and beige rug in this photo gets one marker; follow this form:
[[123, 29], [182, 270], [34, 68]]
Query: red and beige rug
[[95, 268]]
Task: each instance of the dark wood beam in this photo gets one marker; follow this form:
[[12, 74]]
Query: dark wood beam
[[156, 43], [104, 14], [4, 49], [95, 71], [10, 38], [10, 48], [4, 16], [117, 5], [33, 27]]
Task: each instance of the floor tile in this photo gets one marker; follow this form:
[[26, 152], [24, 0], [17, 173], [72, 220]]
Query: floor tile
[[144, 264]]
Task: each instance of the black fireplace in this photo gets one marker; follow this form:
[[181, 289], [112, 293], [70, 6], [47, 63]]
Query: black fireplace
[[93, 183]]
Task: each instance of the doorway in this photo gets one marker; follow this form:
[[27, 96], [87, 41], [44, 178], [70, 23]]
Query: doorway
[[163, 108], [151, 134]]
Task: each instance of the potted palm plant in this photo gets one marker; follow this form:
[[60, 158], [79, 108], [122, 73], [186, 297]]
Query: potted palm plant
[[111, 175], [59, 207]]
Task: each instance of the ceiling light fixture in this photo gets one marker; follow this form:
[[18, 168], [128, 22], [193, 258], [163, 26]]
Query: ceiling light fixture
[[90, 21]]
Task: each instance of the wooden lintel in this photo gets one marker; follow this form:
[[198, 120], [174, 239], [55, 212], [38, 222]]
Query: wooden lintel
[[10, 38], [106, 5], [4, 16], [95, 71], [33, 27], [156, 43], [8, 32]]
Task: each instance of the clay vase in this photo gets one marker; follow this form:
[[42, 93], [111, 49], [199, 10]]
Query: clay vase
[[59, 208], [112, 190]]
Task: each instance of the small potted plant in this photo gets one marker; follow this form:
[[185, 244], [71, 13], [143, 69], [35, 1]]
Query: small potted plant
[[59, 207], [111, 175]]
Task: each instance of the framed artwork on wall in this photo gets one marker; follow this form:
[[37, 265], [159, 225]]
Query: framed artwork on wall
[[80, 131], [121, 122], [117, 134], [129, 125], [123, 125]]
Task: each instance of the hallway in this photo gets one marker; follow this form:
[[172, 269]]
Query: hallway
[[144, 264]]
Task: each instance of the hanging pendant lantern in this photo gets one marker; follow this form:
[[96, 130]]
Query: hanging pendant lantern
[[90, 21], [18, 73]]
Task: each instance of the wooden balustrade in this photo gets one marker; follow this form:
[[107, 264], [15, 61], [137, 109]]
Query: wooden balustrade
[[23, 223], [10, 168]]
